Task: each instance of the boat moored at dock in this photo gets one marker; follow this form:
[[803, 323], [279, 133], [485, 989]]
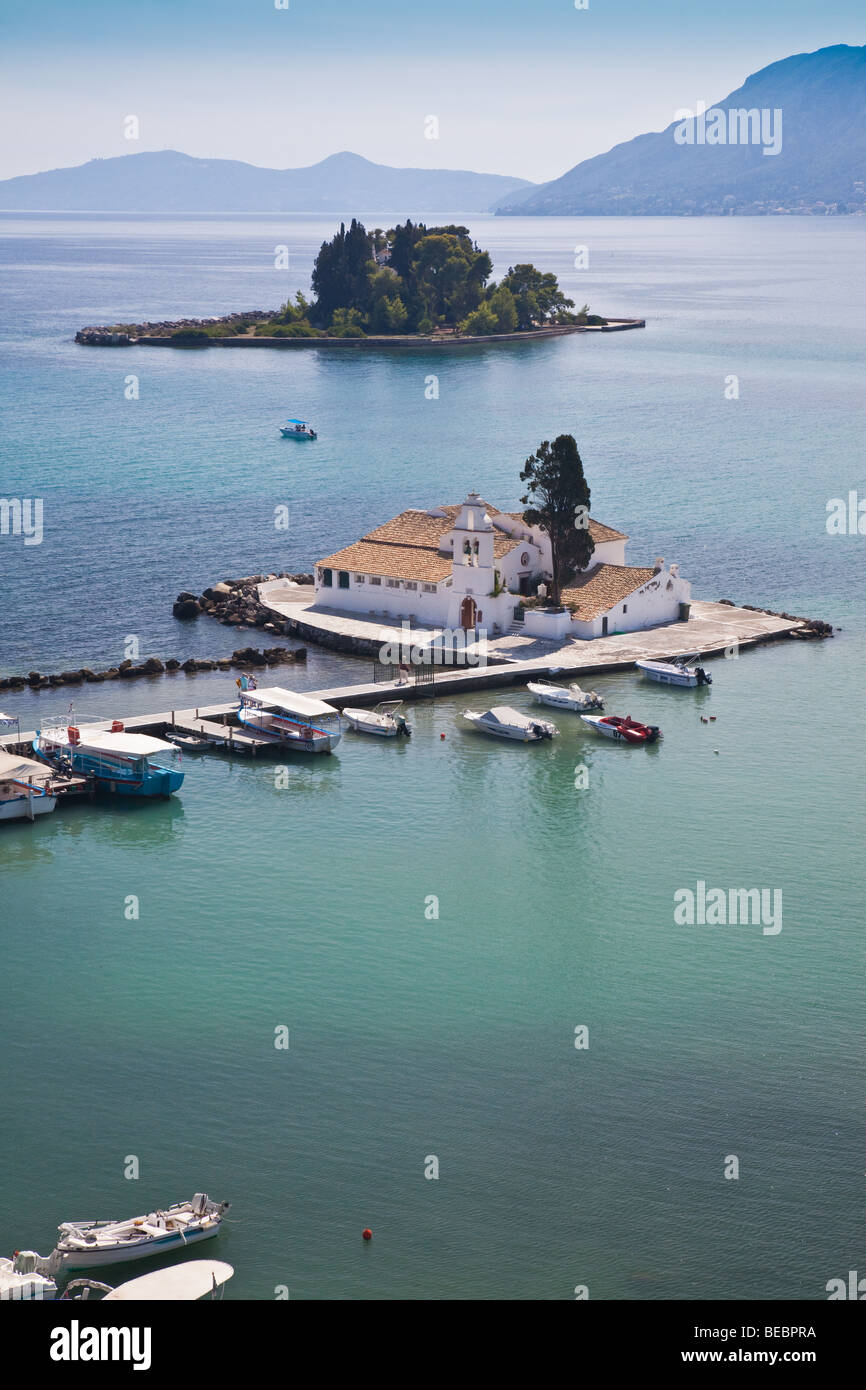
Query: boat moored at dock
[[115, 760], [296, 721], [564, 696], [678, 671], [625, 730], [504, 722], [384, 720], [25, 788], [92, 1244]]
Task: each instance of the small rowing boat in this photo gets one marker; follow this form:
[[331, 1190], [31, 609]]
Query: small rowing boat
[[626, 730]]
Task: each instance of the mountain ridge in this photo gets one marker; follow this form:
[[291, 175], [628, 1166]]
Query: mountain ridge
[[170, 181], [821, 166]]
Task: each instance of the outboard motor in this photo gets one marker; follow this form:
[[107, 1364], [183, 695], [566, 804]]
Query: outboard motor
[[403, 726], [704, 677]]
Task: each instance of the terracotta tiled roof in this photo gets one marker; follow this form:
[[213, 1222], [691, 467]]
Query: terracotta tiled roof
[[407, 546], [415, 528], [391, 561], [602, 587], [597, 529]]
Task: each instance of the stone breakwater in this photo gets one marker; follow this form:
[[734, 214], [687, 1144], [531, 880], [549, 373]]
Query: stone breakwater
[[235, 602], [244, 658]]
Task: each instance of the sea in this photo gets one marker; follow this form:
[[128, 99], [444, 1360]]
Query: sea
[[440, 987]]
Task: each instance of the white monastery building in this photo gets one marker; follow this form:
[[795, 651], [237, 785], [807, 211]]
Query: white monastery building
[[467, 566]]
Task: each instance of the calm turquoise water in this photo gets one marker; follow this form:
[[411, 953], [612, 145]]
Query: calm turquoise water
[[304, 905]]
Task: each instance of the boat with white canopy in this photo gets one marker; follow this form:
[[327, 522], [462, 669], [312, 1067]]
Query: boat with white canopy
[[118, 761], [384, 720], [296, 721], [505, 722], [25, 788]]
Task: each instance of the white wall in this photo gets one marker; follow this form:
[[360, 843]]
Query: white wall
[[650, 606]]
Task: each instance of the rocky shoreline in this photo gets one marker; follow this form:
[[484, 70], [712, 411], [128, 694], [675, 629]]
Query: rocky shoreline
[[235, 602], [245, 658]]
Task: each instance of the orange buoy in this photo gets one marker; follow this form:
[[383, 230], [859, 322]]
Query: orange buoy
[[441, 735], [367, 1233]]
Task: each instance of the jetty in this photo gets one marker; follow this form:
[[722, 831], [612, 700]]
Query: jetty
[[717, 630]]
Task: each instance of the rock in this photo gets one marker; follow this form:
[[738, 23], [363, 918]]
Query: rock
[[189, 665], [172, 664], [217, 591], [70, 677], [127, 673], [224, 663], [153, 666], [85, 673], [186, 608], [124, 665], [94, 677], [15, 682], [184, 596], [729, 603], [111, 674], [205, 665], [34, 678], [301, 654]]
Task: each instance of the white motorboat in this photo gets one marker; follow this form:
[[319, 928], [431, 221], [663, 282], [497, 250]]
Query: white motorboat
[[27, 1276], [676, 672], [297, 721], [297, 429], [90, 1244], [383, 720], [25, 788], [564, 696], [181, 1282], [505, 722]]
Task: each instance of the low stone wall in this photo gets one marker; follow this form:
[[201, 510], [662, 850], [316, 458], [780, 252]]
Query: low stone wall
[[245, 658]]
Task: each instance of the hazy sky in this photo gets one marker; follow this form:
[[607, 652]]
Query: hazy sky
[[524, 87]]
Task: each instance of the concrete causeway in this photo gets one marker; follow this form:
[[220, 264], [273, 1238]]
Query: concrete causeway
[[713, 629]]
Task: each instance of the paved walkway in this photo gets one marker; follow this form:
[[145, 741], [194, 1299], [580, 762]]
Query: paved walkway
[[711, 629]]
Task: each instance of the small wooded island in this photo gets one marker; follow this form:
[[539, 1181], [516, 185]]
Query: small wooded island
[[409, 284]]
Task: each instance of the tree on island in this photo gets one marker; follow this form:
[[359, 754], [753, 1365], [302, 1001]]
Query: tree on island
[[557, 498], [414, 279]]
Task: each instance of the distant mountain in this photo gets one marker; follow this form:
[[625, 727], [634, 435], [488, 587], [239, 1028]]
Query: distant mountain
[[819, 168], [165, 181]]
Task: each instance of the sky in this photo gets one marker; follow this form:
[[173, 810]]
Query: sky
[[521, 87]]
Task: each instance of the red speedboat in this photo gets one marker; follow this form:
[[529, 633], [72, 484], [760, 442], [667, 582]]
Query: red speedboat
[[626, 730]]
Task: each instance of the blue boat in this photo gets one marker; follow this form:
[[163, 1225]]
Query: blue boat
[[297, 429], [119, 762]]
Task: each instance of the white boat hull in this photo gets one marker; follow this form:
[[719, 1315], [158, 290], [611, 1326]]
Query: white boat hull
[[668, 673], [137, 1250], [561, 698], [596, 723], [24, 807], [526, 731]]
